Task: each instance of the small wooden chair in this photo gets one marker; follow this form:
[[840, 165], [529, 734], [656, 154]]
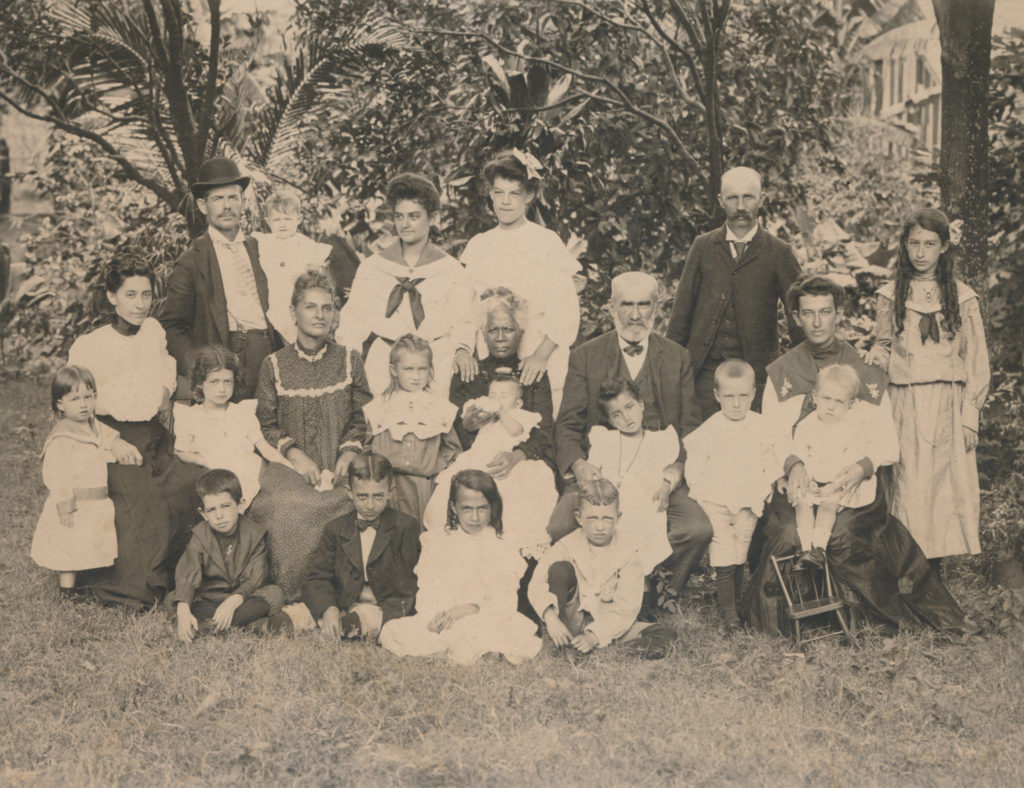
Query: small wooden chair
[[810, 592]]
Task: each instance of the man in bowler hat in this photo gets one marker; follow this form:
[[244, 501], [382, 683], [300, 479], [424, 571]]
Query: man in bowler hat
[[217, 292]]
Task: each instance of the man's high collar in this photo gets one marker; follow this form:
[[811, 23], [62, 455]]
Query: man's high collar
[[730, 235], [220, 238], [830, 349]]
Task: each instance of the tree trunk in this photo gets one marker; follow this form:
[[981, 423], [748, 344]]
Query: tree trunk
[[965, 32]]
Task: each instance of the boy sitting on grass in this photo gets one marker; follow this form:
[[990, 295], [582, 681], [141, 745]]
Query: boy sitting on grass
[[588, 586], [363, 571], [221, 574]]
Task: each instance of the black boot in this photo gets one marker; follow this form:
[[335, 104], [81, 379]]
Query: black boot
[[725, 584], [648, 607]]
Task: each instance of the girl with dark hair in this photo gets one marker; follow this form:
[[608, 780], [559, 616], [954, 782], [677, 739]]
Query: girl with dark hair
[[533, 263], [154, 502], [216, 432], [930, 338], [469, 585], [412, 287]]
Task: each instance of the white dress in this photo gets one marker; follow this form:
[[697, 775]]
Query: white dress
[[533, 263], [458, 568], [283, 262], [224, 439], [528, 493], [447, 299], [75, 473], [637, 471]]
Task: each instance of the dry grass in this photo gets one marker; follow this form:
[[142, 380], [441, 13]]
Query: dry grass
[[93, 696]]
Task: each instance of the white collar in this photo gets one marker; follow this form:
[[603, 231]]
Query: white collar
[[311, 356], [219, 239], [733, 238]]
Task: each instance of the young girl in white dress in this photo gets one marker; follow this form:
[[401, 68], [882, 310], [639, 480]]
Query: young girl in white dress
[[412, 287], [412, 425], [76, 528], [930, 338], [533, 263], [285, 253], [469, 585], [528, 489], [218, 433], [641, 463]]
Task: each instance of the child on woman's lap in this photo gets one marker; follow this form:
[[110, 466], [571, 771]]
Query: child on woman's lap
[[412, 426], [76, 528], [222, 575], [834, 437]]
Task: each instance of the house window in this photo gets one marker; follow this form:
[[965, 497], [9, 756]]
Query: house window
[[878, 84], [899, 83]]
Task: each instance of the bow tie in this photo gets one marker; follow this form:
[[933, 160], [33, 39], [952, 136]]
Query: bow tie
[[406, 285], [362, 524], [929, 326], [633, 348]]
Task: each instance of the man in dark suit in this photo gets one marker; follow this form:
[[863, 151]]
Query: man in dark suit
[[662, 373], [217, 292], [726, 305]]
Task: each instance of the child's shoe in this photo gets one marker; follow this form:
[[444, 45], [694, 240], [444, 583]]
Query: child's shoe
[[280, 623], [811, 559], [351, 628]]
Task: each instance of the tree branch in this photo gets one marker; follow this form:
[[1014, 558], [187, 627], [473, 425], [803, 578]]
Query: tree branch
[[622, 101], [129, 169], [177, 96], [206, 113], [687, 57]]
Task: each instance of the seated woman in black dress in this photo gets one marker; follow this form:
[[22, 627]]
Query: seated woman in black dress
[[154, 503]]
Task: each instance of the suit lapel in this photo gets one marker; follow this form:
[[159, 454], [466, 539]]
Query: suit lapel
[[753, 249], [385, 529], [209, 270], [353, 547]]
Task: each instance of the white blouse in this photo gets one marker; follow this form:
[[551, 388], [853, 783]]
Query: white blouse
[[533, 263], [131, 371]]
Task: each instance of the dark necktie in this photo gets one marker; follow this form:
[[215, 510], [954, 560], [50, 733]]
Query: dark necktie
[[362, 524], [929, 326], [406, 285], [633, 348], [740, 247]]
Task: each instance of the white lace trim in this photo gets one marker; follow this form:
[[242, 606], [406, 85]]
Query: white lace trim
[[312, 393]]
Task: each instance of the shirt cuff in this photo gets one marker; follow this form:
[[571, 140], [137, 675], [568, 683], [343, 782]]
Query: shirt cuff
[[284, 444], [349, 446]]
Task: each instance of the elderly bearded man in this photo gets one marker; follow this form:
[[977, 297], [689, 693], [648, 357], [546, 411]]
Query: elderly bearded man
[[663, 375]]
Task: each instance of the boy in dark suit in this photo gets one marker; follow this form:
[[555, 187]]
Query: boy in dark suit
[[363, 571], [221, 577]]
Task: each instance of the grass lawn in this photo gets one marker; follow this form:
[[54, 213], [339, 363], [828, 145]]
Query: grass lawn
[[94, 696]]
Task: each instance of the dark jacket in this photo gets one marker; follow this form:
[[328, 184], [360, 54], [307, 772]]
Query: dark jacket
[[667, 363], [204, 573], [757, 283], [539, 444], [336, 576], [195, 311]]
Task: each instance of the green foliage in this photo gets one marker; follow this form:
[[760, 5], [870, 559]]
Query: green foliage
[[96, 212]]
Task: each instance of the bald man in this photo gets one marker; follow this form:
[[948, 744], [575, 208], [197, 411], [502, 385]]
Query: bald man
[[733, 280], [662, 373]]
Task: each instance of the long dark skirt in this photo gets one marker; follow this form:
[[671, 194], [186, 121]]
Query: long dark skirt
[[154, 510], [295, 515], [869, 552]]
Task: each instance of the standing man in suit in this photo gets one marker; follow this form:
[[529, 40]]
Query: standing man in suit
[[217, 292], [727, 302], [662, 373]]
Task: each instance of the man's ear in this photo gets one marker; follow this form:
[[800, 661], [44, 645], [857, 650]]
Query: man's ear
[[201, 205], [579, 517]]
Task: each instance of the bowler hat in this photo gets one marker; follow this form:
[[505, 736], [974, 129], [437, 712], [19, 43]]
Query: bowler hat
[[218, 171]]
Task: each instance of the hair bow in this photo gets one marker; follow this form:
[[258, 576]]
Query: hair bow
[[956, 232], [533, 167]]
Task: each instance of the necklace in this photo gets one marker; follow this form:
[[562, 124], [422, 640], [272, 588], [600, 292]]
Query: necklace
[[927, 289], [639, 443]]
